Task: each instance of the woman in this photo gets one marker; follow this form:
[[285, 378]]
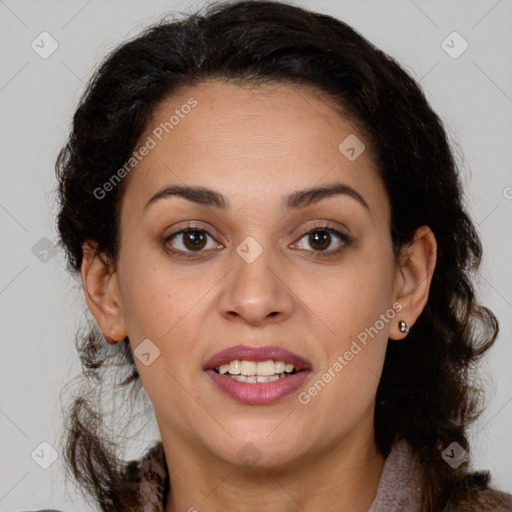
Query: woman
[[269, 226]]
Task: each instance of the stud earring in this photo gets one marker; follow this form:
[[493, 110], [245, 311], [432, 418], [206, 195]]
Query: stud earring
[[112, 333], [402, 325]]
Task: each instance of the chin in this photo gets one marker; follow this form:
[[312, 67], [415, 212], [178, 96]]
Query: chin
[[264, 451]]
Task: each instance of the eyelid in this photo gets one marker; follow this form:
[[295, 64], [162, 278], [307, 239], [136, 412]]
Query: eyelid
[[191, 226], [327, 225]]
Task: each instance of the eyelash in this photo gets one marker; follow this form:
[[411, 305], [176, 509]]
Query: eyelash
[[345, 239]]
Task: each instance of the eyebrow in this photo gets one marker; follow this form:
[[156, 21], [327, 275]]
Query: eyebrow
[[300, 198]]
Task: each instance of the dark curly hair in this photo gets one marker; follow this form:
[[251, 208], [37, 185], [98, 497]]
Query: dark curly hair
[[427, 393]]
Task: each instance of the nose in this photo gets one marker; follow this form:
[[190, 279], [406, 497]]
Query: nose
[[256, 291]]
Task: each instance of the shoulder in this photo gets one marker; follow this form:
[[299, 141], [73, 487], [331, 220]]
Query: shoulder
[[478, 496], [485, 500], [495, 500]]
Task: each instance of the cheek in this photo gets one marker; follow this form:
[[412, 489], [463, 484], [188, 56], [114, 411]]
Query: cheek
[[353, 296], [354, 348], [356, 306], [167, 307], [162, 308], [157, 298]]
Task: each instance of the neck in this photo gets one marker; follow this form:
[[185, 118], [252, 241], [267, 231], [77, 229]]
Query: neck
[[342, 478]]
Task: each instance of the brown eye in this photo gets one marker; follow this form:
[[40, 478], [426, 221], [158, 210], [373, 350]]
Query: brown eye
[[194, 240], [322, 238], [189, 240]]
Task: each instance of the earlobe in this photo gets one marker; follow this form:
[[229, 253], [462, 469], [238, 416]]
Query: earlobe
[[417, 264], [102, 293]]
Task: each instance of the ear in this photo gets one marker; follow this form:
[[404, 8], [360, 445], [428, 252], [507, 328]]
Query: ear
[[102, 293], [413, 278]]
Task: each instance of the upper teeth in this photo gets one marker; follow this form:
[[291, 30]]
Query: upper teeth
[[262, 368]]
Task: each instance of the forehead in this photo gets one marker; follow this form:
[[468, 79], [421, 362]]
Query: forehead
[[259, 140]]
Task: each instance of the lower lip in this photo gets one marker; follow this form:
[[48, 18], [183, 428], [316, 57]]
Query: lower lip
[[260, 393]]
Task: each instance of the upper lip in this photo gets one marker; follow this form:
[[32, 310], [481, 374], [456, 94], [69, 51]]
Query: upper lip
[[245, 352]]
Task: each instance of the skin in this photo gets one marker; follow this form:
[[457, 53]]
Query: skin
[[255, 145]]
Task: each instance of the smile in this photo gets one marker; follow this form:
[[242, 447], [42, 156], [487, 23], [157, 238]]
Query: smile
[[252, 372], [257, 375]]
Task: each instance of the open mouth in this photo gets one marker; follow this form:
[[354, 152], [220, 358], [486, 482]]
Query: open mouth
[[257, 375], [252, 372]]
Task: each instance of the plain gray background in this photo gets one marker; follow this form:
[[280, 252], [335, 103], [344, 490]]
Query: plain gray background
[[42, 306]]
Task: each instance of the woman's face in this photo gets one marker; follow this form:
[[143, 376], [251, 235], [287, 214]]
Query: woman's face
[[263, 267]]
